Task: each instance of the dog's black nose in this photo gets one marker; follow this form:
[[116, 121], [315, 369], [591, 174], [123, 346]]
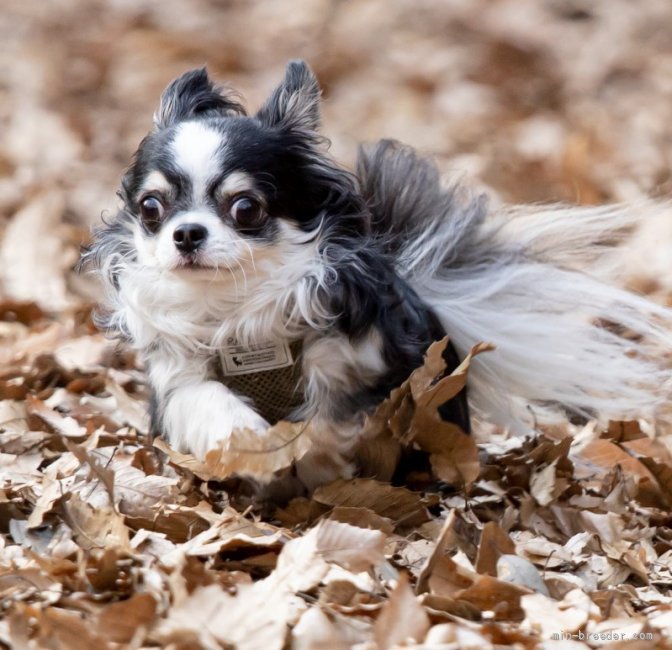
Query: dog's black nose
[[188, 237]]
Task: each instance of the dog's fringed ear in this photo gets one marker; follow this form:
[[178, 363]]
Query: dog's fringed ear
[[192, 94], [295, 103]]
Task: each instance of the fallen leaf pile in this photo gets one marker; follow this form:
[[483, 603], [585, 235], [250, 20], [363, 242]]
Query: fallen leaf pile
[[112, 541], [443, 541]]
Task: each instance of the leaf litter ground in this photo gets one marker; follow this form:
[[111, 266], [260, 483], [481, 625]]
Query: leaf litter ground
[[111, 541]]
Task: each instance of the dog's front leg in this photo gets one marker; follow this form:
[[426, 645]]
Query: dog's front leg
[[194, 411]]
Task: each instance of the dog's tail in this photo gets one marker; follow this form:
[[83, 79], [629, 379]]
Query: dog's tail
[[538, 283]]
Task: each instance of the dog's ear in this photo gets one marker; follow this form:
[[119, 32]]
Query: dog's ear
[[194, 94], [295, 103]]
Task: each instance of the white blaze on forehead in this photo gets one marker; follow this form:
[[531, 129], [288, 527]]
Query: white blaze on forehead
[[197, 148]]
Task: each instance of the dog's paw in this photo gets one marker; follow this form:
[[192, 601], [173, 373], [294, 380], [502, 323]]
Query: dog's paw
[[199, 417]]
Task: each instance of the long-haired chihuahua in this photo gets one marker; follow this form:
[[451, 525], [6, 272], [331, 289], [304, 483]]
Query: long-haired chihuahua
[[260, 280]]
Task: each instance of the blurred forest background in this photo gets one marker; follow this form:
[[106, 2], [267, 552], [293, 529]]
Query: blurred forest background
[[540, 100]]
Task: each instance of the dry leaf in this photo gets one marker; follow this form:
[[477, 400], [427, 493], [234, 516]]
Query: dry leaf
[[402, 621], [453, 453], [444, 539], [120, 407], [600, 455], [363, 518], [29, 583], [67, 629], [39, 415], [491, 595], [548, 617], [543, 485], [410, 415], [258, 616], [120, 621], [519, 571], [494, 543], [351, 547], [247, 453], [403, 507], [315, 631], [94, 528], [432, 396], [104, 474]]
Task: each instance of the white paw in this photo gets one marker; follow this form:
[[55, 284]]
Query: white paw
[[198, 417]]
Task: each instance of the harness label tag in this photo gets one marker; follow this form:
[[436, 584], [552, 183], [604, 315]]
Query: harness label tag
[[240, 359]]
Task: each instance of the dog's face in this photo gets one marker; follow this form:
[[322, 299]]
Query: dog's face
[[213, 192]]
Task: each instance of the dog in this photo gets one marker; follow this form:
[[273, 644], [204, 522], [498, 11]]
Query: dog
[[245, 256]]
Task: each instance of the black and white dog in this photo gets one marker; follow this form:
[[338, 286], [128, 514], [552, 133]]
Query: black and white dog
[[240, 241]]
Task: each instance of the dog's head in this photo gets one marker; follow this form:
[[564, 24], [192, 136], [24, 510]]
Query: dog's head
[[212, 190]]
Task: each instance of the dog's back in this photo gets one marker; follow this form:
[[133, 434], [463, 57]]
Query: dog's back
[[537, 282], [424, 225]]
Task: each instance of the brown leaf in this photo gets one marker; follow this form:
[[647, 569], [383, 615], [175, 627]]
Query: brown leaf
[[29, 583], [432, 367], [351, 547], [547, 616], [379, 456], [624, 431], [433, 395], [259, 614], [104, 474], [21, 312], [543, 485], [93, 528], [403, 620], [449, 578], [443, 541], [403, 507], [492, 595], [494, 543], [61, 628], [662, 472], [247, 453], [42, 341], [39, 415], [177, 524], [120, 621], [300, 511], [453, 453], [436, 605], [411, 416], [120, 407], [363, 518], [603, 455], [232, 532], [315, 631], [185, 461]]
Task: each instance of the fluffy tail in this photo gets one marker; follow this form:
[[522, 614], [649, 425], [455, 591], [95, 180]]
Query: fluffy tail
[[536, 282]]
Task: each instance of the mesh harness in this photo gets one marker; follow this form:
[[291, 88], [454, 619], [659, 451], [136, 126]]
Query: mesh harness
[[275, 392]]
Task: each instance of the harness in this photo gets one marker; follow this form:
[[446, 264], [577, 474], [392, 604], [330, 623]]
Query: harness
[[268, 373]]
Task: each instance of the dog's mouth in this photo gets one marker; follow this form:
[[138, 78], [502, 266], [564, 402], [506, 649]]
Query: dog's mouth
[[193, 263]]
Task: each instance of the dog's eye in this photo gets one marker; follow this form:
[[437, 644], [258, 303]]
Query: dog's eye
[[247, 212], [152, 210]]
